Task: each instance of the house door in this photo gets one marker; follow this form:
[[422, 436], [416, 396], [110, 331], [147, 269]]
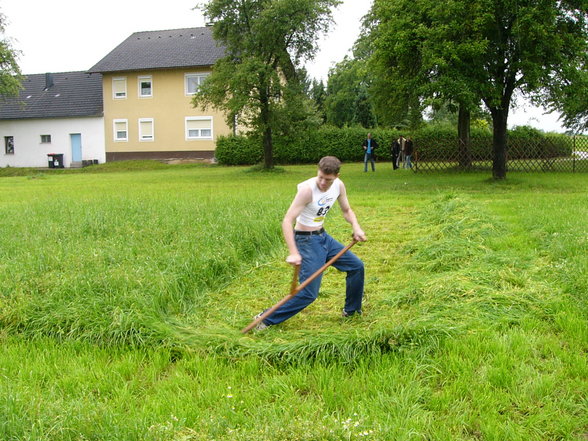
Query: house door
[[76, 147]]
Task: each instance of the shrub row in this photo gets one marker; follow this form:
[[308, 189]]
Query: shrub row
[[523, 143], [432, 144], [308, 148]]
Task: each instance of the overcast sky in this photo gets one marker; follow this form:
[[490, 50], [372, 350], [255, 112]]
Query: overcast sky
[[73, 35]]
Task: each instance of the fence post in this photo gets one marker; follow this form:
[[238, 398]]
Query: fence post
[[574, 155]]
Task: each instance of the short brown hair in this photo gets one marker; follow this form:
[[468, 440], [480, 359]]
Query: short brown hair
[[329, 165]]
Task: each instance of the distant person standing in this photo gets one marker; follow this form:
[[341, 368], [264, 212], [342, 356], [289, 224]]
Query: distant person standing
[[408, 150], [401, 141], [369, 145], [402, 155], [395, 153]]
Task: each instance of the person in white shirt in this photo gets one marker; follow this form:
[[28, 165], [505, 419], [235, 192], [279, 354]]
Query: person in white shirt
[[311, 247]]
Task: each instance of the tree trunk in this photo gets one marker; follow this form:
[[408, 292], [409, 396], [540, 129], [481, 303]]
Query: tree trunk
[[463, 133], [499, 142], [268, 154]]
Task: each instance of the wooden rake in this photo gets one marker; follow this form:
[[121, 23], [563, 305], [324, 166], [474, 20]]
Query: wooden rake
[[296, 289]]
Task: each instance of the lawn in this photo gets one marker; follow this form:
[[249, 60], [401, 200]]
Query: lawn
[[123, 289]]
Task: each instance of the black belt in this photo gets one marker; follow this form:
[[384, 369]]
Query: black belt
[[309, 233]]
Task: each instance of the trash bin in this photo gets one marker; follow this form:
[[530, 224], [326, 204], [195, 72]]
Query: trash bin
[[55, 160]]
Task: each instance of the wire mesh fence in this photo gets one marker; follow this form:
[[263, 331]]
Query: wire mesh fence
[[549, 153]]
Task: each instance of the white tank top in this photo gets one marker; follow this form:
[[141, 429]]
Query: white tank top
[[313, 215]]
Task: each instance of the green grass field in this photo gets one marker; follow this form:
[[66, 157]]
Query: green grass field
[[123, 289]]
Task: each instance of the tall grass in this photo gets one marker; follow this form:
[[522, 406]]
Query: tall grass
[[123, 293], [99, 266]]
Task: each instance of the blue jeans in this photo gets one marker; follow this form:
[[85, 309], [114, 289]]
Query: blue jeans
[[316, 250], [408, 163], [369, 157]]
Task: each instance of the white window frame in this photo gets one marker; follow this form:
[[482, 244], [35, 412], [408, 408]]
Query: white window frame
[[124, 94], [114, 132], [199, 76], [141, 79], [143, 138], [199, 137]]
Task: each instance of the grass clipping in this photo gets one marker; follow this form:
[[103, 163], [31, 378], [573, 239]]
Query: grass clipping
[[456, 275]]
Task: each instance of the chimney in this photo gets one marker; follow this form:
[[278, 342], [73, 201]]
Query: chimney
[[48, 81]]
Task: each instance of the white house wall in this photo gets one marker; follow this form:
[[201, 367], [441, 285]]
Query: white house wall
[[30, 152]]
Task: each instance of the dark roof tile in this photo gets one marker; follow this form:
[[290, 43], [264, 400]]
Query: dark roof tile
[[71, 94], [189, 47]]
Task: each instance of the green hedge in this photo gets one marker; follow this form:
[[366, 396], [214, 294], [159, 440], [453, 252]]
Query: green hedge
[[343, 143], [432, 143], [238, 150], [441, 143]]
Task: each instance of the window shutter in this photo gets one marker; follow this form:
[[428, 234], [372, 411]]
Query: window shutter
[[146, 128], [198, 124], [119, 87]]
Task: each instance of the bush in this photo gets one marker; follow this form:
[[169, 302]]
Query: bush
[[238, 150], [438, 143], [529, 143], [344, 143], [432, 142]]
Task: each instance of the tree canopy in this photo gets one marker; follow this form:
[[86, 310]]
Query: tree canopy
[[471, 51], [347, 101], [257, 82]]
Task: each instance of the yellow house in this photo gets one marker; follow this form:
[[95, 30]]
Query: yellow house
[[148, 84]]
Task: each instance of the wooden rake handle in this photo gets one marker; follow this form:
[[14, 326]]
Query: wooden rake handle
[[296, 289]]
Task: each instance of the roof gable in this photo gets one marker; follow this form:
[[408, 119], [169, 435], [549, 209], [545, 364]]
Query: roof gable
[[56, 95], [189, 47]]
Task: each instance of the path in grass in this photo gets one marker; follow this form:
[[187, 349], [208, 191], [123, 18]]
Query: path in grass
[[440, 263]]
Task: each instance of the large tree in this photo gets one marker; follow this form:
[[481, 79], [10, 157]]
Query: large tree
[[388, 45], [348, 101], [318, 94], [573, 102], [467, 51], [10, 75], [265, 41]]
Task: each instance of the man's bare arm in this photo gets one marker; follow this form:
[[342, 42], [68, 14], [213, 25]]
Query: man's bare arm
[[302, 198], [349, 215]]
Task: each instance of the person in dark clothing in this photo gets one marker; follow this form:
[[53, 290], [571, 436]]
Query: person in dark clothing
[[402, 154], [369, 146], [408, 150], [395, 153]]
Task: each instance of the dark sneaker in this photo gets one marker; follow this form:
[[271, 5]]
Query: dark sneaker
[[350, 314]]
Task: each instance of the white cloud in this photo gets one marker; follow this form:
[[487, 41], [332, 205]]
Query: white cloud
[[340, 39], [526, 114]]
